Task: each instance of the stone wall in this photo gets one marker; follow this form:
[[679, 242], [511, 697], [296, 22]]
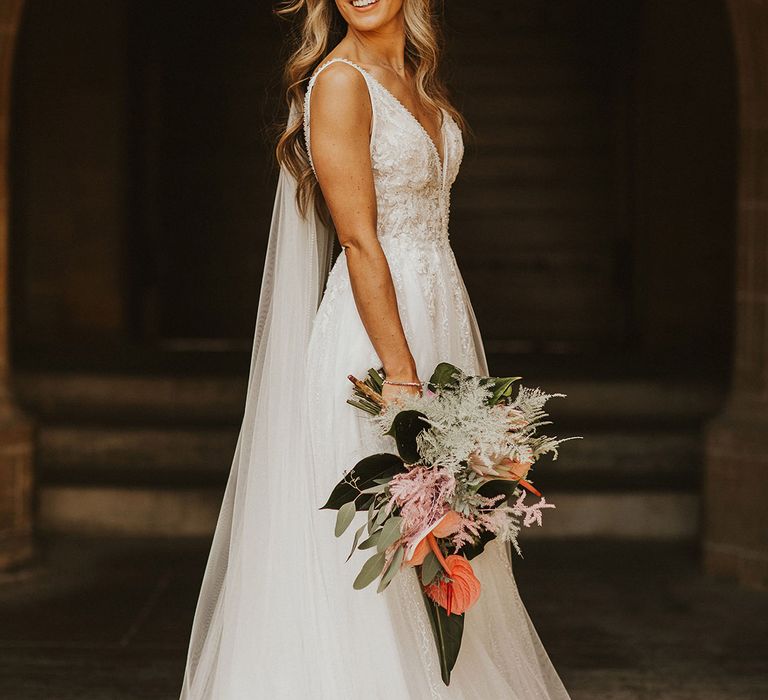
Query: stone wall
[[736, 537]]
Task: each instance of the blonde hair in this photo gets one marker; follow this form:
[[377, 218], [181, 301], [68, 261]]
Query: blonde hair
[[319, 27]]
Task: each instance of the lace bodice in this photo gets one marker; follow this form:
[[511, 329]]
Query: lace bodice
[[412, 184]]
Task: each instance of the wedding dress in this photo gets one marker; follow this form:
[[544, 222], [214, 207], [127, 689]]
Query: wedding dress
[[277, 615]]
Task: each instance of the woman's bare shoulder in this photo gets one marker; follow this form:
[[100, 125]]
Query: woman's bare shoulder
[[337, 77], [340, 90]]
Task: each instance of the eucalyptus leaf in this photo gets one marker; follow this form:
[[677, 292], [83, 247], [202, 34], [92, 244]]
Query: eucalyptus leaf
[[390, 532], [370, 571], [376, 489], [344, 518], [358, 535], [429, 569], [381, 516], [371, 515], [392, 569], [372, 541]]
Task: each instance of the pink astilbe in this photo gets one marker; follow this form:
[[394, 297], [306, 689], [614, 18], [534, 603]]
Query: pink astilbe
[[532, 513], [499, 520], [423, 495], [466, 533]]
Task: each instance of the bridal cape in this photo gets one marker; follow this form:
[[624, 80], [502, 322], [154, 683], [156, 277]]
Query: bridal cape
[[277, 616]]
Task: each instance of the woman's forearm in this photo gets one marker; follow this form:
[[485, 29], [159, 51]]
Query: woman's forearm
[[376, 302], [341, 125]]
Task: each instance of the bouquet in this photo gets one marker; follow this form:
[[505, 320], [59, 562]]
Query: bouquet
[[464, 448]]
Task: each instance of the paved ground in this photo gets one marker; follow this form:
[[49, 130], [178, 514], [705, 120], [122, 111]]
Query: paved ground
[[106, 620]]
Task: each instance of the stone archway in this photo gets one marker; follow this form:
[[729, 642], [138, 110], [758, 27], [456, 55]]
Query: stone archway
[[736, 486], [16, 435]]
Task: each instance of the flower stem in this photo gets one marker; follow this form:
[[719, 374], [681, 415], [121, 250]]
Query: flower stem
[[436, 550]]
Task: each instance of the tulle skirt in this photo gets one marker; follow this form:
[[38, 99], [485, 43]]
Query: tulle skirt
[[382, 643], [291, 624]]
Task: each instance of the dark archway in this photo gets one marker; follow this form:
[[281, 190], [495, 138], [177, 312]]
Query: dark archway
[[610, 175]]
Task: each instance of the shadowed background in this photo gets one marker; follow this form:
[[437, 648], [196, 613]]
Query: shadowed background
[[611, 223]]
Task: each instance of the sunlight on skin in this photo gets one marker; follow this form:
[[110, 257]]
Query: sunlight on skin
[[340, 118]]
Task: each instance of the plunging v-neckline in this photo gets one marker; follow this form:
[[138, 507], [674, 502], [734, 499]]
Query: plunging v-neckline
[[430, 140]]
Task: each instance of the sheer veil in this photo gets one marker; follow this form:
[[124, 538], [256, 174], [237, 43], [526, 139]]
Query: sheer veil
[[295, 271]]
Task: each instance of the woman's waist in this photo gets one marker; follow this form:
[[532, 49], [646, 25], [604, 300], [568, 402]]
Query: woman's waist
[[415, 237]]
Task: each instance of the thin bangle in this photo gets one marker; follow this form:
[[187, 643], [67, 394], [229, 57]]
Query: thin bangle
[[387, 381]]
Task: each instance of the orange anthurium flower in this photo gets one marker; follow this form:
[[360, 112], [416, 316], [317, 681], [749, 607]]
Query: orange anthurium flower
[[444, 527], [459, 593], [419, 554]]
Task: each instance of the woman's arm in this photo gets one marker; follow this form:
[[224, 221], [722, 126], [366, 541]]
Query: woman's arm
[[340, 124]]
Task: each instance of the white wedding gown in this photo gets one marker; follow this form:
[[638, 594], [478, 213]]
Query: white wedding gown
[[278, 617]]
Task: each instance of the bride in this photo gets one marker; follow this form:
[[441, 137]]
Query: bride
[[369, 153]]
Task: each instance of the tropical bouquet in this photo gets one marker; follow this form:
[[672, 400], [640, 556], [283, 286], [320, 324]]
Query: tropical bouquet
[[464, 448]]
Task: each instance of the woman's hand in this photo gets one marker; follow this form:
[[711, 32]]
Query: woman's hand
[[392, 392]]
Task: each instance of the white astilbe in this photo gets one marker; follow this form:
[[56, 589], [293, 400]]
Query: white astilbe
[[461, 423], [469, 444]]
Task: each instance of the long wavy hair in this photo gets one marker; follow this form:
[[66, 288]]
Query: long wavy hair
[[318, 27]]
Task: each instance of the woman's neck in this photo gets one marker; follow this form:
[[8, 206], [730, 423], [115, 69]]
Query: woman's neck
[[384, 47]]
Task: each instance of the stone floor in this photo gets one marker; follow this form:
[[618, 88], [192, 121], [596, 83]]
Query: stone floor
[[108, 620]]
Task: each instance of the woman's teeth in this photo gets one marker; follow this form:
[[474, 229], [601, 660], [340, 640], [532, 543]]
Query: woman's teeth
[[363, 3]]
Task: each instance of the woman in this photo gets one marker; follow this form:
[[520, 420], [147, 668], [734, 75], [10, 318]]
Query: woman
[[371, 149]]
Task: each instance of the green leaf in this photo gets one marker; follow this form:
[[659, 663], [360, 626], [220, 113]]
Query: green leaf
[[501, 387], [365, 405], [390, 533], [377, 489], [363, 475], [375, 380], [447, 630], [392, 569], [371, 569], [429, 569], [445, 375], [371, 541], [381, 516], [358, 534], [405, 428], [371, 515], [344, 518], [498, 487]]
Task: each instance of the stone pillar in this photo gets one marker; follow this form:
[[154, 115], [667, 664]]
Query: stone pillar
[[16, 430], [736, 484]]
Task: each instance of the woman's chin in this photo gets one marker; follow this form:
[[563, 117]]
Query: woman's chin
[[367, 15]]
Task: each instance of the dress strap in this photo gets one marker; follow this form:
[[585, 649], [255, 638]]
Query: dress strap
[[308, 94]]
